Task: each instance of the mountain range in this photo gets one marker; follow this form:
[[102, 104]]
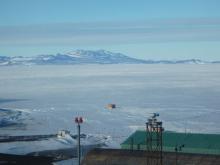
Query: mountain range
[[88, 57]]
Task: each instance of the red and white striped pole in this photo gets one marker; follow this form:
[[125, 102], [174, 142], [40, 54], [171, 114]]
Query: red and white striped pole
[[78, 121]]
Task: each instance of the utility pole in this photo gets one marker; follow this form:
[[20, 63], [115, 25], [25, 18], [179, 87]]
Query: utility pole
[[78, 121]]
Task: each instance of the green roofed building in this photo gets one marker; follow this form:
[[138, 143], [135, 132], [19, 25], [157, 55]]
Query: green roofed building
[[193, 142]]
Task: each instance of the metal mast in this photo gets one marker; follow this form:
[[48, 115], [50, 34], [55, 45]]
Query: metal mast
[[154, 141]]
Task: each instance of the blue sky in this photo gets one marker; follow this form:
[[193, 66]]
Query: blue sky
[[148, 29]]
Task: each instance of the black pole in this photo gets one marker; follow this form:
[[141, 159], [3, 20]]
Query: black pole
[[176, 154], [161, 144], [79, 151]]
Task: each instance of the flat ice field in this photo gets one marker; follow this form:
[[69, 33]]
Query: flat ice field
[[45, 99]]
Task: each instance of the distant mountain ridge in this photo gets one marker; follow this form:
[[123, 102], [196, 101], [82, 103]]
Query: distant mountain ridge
[[88, 57]]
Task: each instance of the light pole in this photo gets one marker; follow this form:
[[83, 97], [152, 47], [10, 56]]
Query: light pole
[[78, 121], [178, 148]]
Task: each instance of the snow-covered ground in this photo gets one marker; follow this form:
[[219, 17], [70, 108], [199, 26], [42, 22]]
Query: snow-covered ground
[[58, 142], [45, 99]]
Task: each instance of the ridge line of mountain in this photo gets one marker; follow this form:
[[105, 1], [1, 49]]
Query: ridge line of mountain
[[90, 57]]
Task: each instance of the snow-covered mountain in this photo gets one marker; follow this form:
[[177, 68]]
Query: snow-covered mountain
[[188, 61], [74, 57], [87, 57]]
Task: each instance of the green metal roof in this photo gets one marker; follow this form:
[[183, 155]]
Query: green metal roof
[[193, 142]]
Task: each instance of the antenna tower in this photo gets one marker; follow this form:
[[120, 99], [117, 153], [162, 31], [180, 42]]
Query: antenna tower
[[154, 143]]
